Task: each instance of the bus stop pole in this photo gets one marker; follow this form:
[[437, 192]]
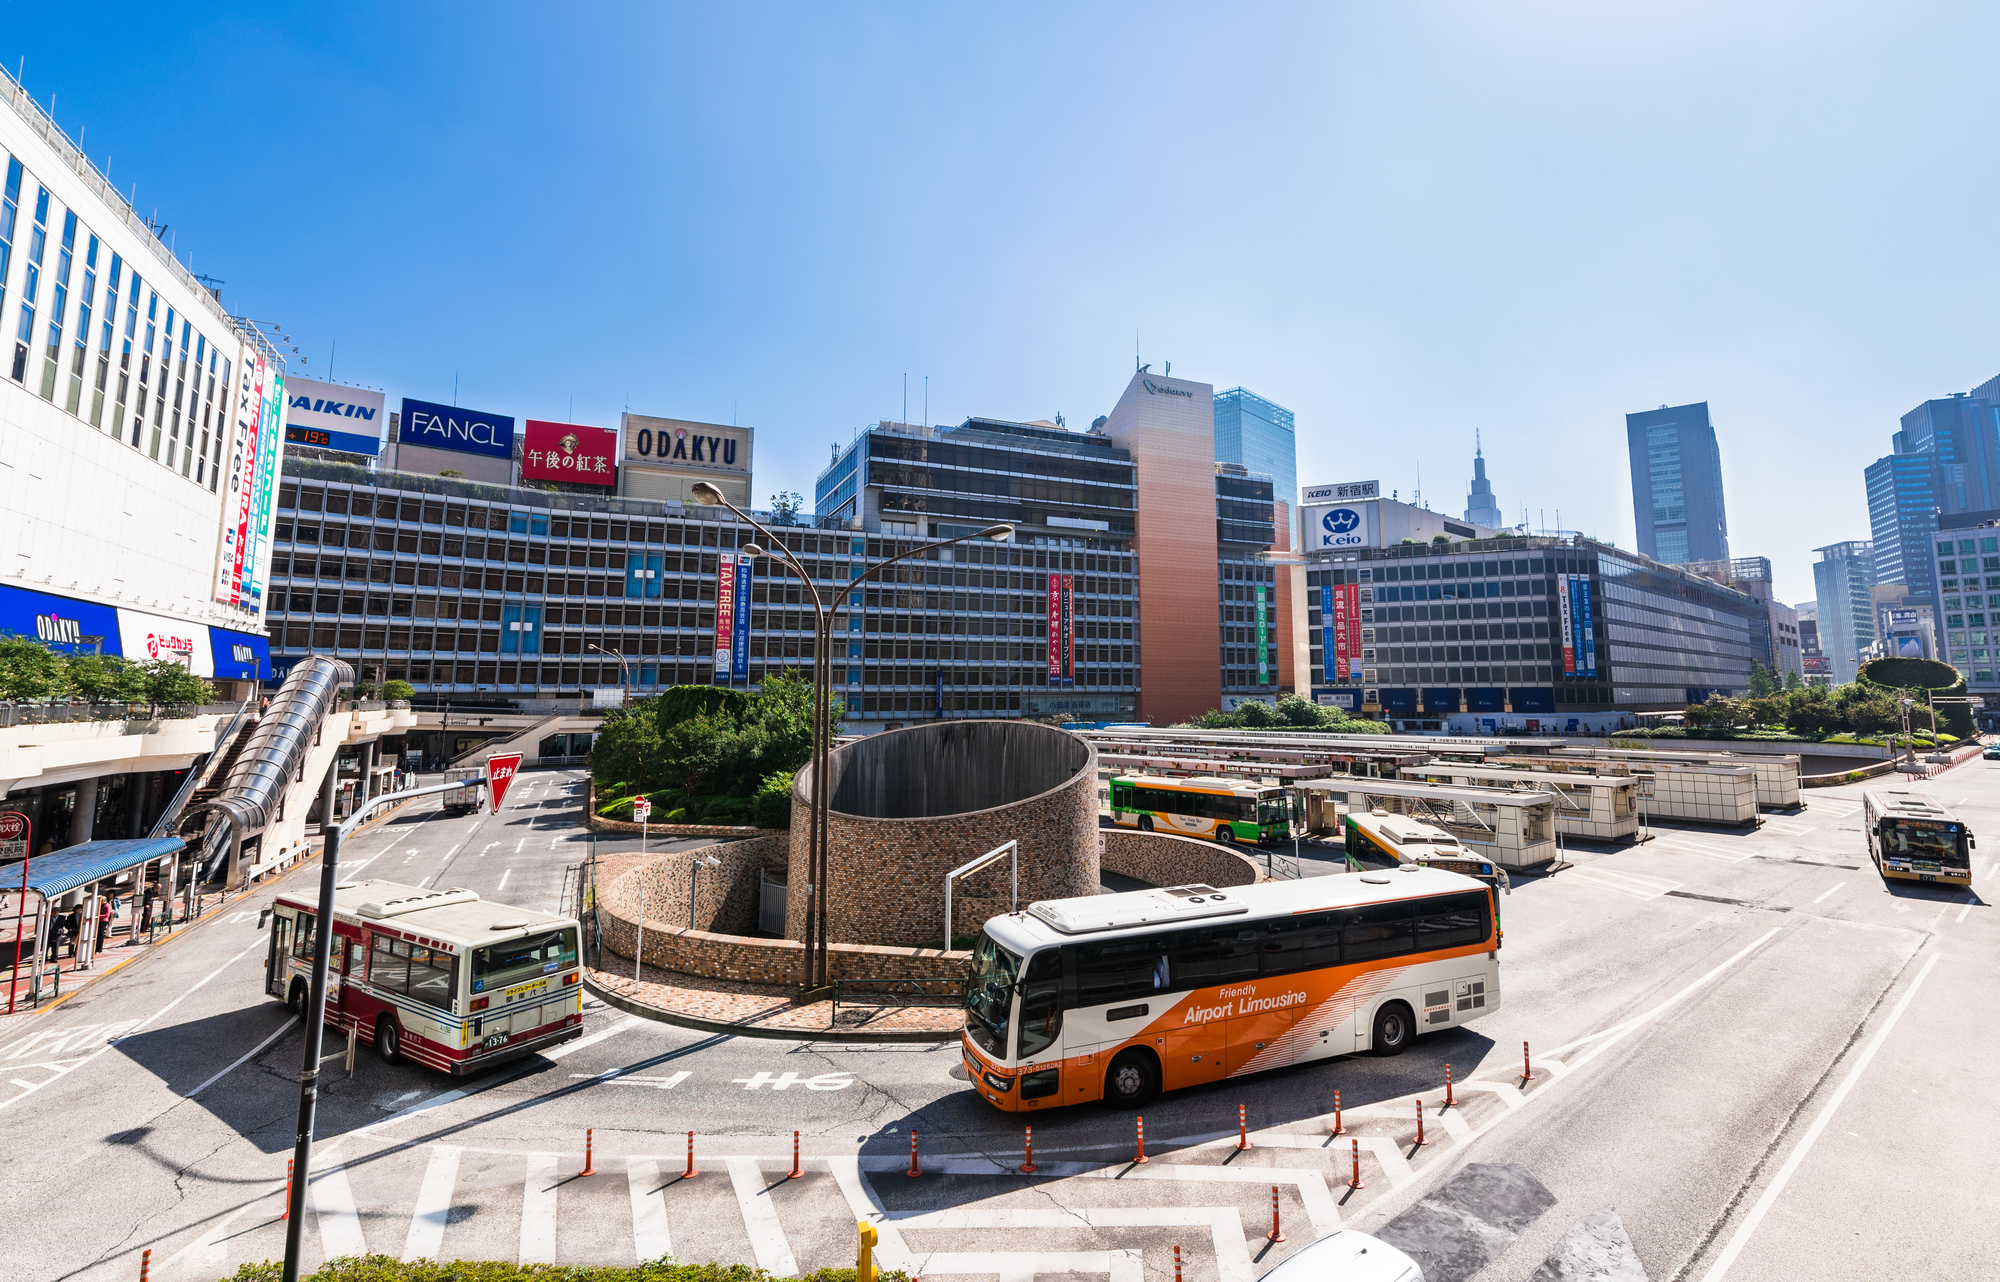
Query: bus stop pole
[[329, 879]]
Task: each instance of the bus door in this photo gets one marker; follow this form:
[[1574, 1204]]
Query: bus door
[[1038, 1024], [281, 948]]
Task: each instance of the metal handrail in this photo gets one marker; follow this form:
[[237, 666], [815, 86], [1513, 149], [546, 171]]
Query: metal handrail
[[900, 986], [171, 816]]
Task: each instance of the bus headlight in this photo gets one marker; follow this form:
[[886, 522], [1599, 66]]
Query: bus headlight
[[997, 1082]]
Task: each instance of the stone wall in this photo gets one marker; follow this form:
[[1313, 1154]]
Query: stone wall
[[886, 872], [725, 897], [1159, 859]]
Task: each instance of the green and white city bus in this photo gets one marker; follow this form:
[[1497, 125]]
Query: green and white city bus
[[1224, 809]]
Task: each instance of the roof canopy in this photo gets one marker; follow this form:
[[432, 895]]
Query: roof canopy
[[65, 870]]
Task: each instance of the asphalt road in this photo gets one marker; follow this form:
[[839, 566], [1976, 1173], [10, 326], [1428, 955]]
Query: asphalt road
[[1753, 1060]]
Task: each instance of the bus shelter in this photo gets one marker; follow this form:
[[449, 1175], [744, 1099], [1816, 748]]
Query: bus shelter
[[1516, 830], [79, 878], [1592, 806], [1777, 774]]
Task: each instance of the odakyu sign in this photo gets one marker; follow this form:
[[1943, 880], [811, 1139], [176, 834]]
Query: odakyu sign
[[676, 443], [59, 622], [452, 427]]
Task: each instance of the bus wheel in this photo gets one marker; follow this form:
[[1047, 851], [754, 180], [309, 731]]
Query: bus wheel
[[1393, 1030], [389, 1039], [1145, 823], [1132, 1079], [1226, 835], [296, 999]]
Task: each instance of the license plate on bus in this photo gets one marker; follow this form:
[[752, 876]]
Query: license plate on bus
[[497, 1039]]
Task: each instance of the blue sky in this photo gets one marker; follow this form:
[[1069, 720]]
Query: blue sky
[[1404, 222]]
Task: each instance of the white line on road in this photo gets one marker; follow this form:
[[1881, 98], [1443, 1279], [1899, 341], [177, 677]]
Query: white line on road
[[260, 944], [1609, 1036], [505, 874], [282, 1028], [1968, 907], [427, 1223], [1828, 893], [517, 845], [650, 1238], [571, 1048], [538, 1210], [333, 1207], [1798, 1155], [760, 1219]]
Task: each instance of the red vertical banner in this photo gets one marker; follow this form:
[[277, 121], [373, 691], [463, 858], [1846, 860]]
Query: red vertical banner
[[1351, 654], [1055, 629], [1342, 621], [1069, 629], [725, 616]]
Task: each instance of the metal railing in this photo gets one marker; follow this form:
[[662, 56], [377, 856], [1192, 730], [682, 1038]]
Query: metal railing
[[39, 712], [486, 491], [170, 817], [942, 994]]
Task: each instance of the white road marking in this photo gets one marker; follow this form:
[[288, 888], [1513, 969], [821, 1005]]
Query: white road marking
[[333, 1207], [650, 1238], [783, 1081], [617, 1077], [191, 990], [571, 1048], [427, 1222], [503, 880], [258, 1050], [489, 846], [1744, 1231], [1968, 907], [1830, 891], [760, 1219], [538, 1210], [517, 845], [1789, 828], [1637, 885]]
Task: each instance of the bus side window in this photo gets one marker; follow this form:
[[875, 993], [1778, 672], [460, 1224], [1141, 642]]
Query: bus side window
[[302, 936], [1041, 1002], [1302, 943], [389, 964], [1216, 955], [432, 976], [1379, 930], [1452, 922], [1118, 970]]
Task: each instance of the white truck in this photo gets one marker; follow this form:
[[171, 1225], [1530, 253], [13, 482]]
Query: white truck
[[462, 800]]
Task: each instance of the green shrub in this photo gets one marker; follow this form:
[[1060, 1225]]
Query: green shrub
[[383, 1268], [772, 806], [398, 690]]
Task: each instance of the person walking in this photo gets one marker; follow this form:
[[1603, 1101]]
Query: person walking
[[104, 914], [58, 934]]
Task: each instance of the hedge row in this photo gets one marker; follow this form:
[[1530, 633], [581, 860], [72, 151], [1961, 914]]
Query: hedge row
[[384, 1268]]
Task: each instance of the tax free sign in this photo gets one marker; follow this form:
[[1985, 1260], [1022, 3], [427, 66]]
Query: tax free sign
[[451, 427]]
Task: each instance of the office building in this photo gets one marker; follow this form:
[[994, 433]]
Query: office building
[[1751, 575], [1481, 508], [1258, 436], [1522, 631], [1944, 460], [1677, 503], [1813, 662], [1902, 517], [1249, 586], [1846, 615], [1967, 565]]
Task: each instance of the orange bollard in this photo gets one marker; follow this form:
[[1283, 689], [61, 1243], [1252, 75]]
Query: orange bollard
[[1338, 1129], [286, 1214], [1242, 1131], [690, 1172], [796, 1172], [1527, 1069], [589, 1152], [146, 1265], [1420, 1124], [1141, 1159], [914, 1170], [1355, 1182], [1276, 1234], [1028, 1167], [1177, 1262], [1448, 1100]]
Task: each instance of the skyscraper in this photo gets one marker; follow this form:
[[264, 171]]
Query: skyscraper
[[1481, 508], [1258, 434], [1841, 579], [1946, 460], [1677, 484]]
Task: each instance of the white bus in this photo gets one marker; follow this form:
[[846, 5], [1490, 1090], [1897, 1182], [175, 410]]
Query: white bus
[[1118, 997], [439, 977], [1913, 838]]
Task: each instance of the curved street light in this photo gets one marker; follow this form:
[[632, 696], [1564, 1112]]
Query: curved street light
[[814, 977], [624, 676]]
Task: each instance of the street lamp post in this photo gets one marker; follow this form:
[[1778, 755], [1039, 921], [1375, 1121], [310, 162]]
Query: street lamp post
[[814, 964], [624, 676]]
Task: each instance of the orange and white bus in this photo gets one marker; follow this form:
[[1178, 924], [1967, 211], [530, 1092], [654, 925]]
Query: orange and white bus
[[1117, 997], [442, 978]]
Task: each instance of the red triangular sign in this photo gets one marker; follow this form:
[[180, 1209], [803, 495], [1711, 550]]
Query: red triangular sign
[[500, 771]]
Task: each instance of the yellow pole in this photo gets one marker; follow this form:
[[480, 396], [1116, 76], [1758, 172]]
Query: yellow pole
[[864, 1253]]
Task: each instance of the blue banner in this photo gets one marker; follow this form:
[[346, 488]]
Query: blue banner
[[1575, 622], [1327, 654], [59, 622], [937, 678], [449, 427], [739, 640], [1589, 632], [239, 656]]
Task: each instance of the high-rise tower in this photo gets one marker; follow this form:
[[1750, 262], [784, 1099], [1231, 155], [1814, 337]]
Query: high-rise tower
[[1677, 484], [1481, 508]]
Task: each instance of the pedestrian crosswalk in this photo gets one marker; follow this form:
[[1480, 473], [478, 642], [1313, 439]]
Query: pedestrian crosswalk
[[1636, 885]]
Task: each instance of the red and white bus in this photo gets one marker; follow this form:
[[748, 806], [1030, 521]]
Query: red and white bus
[[1118, 997], [438, 977]]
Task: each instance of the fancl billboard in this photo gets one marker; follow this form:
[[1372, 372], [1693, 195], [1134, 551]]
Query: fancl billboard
[[451, 427]]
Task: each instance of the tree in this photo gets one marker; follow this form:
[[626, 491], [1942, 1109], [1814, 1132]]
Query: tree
[[30, 670], [98, 677], [1793, 681], [1762, 683], [786, 506], [398, 690], [163, 682], [1810, 710], [1764, 710]]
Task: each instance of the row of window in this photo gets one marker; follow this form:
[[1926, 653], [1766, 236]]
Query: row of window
[[181, 402]]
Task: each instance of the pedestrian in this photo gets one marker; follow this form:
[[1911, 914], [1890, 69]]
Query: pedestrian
[[58, 934], [75, 930], [146, 912], [104, 911]]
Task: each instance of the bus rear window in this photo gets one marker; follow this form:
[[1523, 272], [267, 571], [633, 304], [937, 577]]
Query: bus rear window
[[498, 965]]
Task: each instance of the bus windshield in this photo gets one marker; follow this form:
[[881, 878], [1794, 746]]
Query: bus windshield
[[1904, 839], [1273, 811], [990, 998]]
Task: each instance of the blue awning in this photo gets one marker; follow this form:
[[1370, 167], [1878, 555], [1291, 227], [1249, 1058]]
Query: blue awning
[[65, 870]]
